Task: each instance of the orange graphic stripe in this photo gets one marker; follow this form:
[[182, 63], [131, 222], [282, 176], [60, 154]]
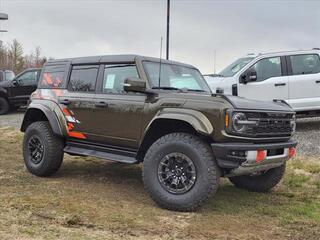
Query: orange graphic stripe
[[77, 135], [66, 111]]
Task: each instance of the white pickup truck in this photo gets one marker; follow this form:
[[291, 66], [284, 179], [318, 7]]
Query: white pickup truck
[[292, 76]]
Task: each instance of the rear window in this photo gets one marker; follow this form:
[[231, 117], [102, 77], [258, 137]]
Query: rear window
[[52, 77], [305, 64], [83, 78]]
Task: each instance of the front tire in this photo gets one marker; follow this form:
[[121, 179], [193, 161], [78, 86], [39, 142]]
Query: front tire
[[4, 106], [42, 150], [179, 172], [263, 182]]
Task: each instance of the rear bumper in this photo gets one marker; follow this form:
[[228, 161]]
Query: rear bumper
[[241, 159]]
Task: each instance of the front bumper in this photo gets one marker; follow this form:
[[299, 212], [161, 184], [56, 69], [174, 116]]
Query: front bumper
[[241, 158]]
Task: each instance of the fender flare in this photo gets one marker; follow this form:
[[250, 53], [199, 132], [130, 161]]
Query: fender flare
[[50, 115], [195, 118]]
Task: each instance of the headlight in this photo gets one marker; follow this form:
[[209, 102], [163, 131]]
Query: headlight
[[238, 122]]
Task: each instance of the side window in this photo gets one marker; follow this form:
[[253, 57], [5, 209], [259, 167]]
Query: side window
[[114, 76], [52, 77], [83, 78], [267, 68], [305, 64], [28, 78], [9, 75]]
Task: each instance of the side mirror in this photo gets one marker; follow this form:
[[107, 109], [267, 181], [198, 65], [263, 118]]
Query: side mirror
[[15, 82], [248, 76], [134, 85]]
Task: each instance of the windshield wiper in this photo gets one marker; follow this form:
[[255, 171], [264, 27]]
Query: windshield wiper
[[194, 90], [167, 88]]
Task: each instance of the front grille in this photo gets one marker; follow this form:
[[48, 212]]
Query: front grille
[[270, 124]]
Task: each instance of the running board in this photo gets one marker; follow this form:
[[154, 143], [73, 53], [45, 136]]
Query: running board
[[107, 153]]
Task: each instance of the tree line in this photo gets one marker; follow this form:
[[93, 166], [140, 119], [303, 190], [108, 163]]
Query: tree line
[[12, 57]]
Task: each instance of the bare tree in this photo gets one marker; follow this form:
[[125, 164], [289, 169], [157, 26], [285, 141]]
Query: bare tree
[[12, 57]]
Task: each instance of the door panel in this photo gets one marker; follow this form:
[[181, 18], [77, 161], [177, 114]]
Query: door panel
[[304, 84], [270, 83], [117, 113], [78, 102], [23, 85], [118, 118], [78, 112], [272, 88]]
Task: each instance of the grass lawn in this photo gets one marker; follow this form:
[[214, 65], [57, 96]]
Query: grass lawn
[[96, 199]]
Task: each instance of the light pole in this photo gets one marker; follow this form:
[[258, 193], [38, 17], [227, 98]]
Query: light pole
[[3, 16], [168, 29]]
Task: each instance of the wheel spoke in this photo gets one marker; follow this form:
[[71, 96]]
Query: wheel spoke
[[176, 173]]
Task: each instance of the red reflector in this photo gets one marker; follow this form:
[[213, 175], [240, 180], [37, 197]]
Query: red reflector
[[292, 152], [261, 155]]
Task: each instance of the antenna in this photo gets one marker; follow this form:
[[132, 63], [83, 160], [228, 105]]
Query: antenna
[[160, 62], [214, 61]]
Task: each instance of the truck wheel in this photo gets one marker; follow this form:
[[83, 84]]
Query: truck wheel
[[262, 182], [4, 106], [42, 150], [179, 172]]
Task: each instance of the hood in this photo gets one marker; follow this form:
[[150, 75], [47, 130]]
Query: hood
[[228, 101], [243, 103], [224, 83]]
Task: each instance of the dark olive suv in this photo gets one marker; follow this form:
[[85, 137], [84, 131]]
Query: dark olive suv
[[135, 109]]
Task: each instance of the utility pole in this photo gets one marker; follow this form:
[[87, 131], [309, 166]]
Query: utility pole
[[3, 16], [168, 28]]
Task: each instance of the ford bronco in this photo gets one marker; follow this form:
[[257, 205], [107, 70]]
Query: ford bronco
[[160, 113]]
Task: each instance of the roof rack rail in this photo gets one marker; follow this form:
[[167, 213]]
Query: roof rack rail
[[316, 48]]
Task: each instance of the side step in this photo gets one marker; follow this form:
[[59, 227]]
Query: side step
[[108, 153]]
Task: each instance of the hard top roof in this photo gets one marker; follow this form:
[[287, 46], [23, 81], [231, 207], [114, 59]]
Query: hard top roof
[[113, 59]]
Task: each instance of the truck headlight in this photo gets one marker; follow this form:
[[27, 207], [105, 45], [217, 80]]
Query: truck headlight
[[238, 122]]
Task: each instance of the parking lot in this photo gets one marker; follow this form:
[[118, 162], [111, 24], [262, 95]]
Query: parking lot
[[308, 132]]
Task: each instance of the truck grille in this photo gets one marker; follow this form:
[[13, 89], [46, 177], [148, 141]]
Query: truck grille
[[270, 124]]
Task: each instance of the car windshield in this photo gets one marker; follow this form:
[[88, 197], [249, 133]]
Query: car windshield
[[9, 75], [235, 67], [175, 77]]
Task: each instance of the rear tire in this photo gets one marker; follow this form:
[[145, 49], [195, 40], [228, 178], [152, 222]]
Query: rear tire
[[198, 179], [260, 183], [42, 150], [4, 106]]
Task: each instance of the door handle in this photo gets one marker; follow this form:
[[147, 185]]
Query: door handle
[[317, 81], [279, 84], [101, 104], [65, 101]]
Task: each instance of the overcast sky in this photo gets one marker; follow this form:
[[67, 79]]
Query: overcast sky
[[66, 28]]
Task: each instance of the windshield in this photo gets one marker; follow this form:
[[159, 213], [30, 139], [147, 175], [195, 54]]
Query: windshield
[[9, 75], [175, 77], [235, 67]]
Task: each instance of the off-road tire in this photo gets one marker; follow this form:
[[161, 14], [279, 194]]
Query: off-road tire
[[53, 149], [208, 173], [260, 183], [4, 106]]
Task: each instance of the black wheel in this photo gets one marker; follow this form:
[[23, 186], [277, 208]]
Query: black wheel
[[42, 150], [260, 182], [4, 106], [179, 172]]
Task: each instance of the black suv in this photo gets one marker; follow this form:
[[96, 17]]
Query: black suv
[[15, 91], [135, 109]]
